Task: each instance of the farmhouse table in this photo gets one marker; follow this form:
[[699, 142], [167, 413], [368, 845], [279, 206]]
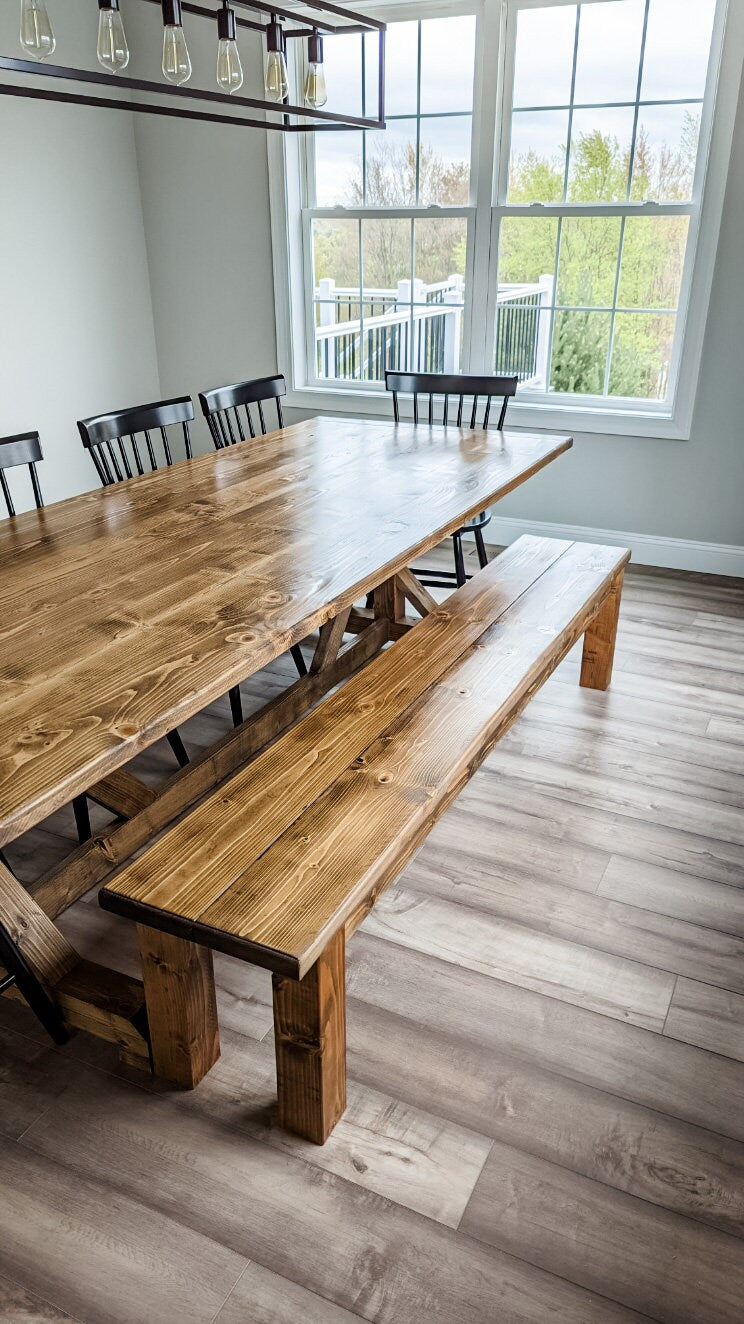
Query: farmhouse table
[[129, 609]]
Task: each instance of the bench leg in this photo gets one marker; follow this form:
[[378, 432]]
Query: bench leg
[[310, 1038], [599, 640], [181, 1007]]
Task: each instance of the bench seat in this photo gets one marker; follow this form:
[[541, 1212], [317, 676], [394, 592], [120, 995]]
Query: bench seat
[[288, 856]]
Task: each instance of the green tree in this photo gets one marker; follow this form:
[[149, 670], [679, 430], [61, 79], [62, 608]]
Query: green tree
[[652, 257], [653, 252]]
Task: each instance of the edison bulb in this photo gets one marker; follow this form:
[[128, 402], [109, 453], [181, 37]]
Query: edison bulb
[[229, 68], [112, 49], [316, 92], [277, 78], [37, 38], [176, 59]]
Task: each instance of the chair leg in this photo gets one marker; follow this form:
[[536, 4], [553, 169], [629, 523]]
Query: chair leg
[[481, 546], [177, 745], [298, 659], [20, 973], [82, 818], [459, 560], [236, 705]]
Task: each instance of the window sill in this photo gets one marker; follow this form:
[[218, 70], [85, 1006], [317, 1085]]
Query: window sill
[[547, 417]]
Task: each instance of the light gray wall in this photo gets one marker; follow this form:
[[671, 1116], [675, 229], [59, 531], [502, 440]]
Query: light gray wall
[[76, 327], [205, 199]]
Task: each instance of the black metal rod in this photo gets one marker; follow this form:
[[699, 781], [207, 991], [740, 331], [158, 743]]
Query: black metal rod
[[319, 6], [211, 14], [141, 85], [357, 23], [147, 108]]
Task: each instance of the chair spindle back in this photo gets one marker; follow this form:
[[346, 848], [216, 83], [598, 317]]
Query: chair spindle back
[[106, 437], [221, 407], [460, 386], [22, 448]]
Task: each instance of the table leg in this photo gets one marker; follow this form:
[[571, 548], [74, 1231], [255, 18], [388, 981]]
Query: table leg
[[599, 641], [310, 1040], [389, 601], [181, 1007]]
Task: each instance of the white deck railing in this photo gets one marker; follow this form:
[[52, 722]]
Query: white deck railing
[[418, 328]]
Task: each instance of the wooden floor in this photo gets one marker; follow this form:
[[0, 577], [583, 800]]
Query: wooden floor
[[546, 1051]]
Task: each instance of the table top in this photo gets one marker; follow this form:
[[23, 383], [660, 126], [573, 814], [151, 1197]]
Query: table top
[[128, 609]]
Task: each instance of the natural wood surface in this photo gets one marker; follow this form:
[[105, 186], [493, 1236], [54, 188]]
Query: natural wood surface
[[255, 547], [181, 1007], [443, 1060], [599, 641], [122, 793], [310, 1043], [369, 771], [65, 882], [46, 950], [314, 753]]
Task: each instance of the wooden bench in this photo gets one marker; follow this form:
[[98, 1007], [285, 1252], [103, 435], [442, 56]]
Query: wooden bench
[[280, 865]]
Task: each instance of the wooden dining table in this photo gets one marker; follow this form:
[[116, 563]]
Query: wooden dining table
[[129, 609]]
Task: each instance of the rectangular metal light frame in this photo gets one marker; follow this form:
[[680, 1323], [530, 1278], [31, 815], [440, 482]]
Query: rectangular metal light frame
[[181, 107]]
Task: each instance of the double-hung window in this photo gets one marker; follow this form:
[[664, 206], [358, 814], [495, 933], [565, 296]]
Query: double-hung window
[[386, 236], [534, 207]]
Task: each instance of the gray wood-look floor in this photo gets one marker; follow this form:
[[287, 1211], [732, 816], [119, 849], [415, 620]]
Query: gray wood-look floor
[[546, 1051]]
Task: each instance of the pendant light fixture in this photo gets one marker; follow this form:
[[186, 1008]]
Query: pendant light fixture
[[277, 78], [316, 93], [112, 49], [176, 59], [281, 106], [37, 38], [229, 68]]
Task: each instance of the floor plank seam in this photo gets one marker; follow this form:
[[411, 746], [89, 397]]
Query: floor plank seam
[[121, 1188], [611, 1094], [608, 951]]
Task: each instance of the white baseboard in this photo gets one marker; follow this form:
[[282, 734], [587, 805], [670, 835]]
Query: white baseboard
[[710, 558]]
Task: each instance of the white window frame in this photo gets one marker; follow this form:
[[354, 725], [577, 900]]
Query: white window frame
[[294, 312]]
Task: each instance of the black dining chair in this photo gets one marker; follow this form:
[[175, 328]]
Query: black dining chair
[[221, 407], [130, 442], [127, 444], [481, 391], [24, 448]]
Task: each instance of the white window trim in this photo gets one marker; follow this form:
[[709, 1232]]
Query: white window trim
[[592, 415]]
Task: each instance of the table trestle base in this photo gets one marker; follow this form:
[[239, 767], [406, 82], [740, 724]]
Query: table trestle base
[[69, 993]]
